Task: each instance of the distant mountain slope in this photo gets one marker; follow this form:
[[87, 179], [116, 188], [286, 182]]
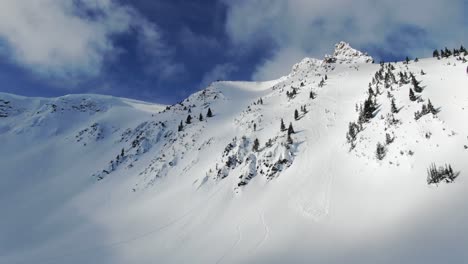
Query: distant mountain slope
[[97, 179]]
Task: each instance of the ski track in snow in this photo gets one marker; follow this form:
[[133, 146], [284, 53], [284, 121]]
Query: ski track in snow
[[265, 235], [230, 249]]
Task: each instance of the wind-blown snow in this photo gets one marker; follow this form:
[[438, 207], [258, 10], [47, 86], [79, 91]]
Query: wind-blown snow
[[204, 195]]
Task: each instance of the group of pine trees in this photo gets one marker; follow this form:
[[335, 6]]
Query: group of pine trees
[[436, 175], [303, 110], [290, 130], [118, 159], [291, 94], [367, 110], [188, 120], [381, 150], [425, 109], [445, 53]]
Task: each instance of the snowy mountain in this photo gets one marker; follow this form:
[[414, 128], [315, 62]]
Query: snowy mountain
[[349, 178]]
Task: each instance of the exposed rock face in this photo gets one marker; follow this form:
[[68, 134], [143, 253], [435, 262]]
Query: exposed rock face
[[345, 54]]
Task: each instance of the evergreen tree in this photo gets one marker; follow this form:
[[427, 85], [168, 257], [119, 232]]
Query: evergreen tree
[[200, 118], [380, 151], [122, 153], [462, 49], [322, 83], [369, 108], [424, 110], [412, 97], [394, 107], [290, 140], [189, 119], [448, 53], [181, 126], [283, 127], [431, 108], [290, 129], [416, 83], [435, 53], [312, 95], [296, 114], [371, 92], [353, 130], [209, 114], [407, 60], [256, 145]]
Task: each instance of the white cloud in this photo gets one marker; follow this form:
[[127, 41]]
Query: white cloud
[[219, 72], [313, 26], [157, 56], [197, 43], [68, 39], [278, 65]]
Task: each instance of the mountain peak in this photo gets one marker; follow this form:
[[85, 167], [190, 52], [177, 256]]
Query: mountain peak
[[344, 53]]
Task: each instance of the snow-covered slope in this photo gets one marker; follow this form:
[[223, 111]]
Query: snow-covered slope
[[95, 179]]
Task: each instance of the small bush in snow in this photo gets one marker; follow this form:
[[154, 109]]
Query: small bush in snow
[[389, 139]]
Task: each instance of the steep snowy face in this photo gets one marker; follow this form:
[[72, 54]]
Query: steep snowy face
[[345, 54]]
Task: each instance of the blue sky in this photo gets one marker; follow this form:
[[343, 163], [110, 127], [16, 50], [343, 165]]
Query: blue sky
[[164, 50]]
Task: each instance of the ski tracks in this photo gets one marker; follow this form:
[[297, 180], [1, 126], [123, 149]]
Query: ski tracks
[[265, 235], [230, 249]]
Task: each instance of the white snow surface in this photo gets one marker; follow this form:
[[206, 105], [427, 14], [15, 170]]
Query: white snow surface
[[203, 195]]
